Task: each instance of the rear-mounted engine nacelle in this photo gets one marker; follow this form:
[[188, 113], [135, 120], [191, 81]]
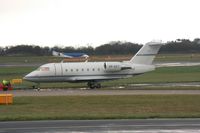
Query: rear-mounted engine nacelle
[[115, 66], [112, 66]]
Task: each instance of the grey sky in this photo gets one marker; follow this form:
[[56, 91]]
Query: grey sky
[[94, 22]]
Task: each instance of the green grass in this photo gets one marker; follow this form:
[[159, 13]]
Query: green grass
[[28, 59], [102, 107], [47, 59], [178, 57], [15, 70], [160, 75]]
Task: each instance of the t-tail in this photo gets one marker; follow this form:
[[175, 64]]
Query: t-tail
[[147, 53]]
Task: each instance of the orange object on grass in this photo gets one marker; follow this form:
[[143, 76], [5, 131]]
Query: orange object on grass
[[6, 99]]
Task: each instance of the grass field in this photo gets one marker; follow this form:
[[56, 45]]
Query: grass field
[[47, 59], [102, 107], [178, 57], [160, 75]]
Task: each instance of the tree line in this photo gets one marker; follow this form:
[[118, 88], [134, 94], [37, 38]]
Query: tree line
[[111, 48]]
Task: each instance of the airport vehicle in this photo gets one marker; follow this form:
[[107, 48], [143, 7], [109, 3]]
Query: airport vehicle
[[95, 72]]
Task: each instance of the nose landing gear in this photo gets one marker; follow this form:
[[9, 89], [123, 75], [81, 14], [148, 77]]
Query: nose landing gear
[[37, 87], [93, 85]]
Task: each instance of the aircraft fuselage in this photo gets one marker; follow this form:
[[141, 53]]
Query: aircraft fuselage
[[93, 72], [86, 71]]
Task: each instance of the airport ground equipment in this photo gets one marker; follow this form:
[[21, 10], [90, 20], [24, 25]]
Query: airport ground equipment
[[6, 99], [5, 85]]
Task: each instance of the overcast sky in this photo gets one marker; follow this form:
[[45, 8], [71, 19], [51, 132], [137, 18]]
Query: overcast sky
[[94, 22]]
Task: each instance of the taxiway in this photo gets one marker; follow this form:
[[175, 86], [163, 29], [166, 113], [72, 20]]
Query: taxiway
[[76, 92], [104, 126]]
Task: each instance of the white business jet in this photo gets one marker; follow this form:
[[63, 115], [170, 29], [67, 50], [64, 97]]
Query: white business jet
[[94, 72]]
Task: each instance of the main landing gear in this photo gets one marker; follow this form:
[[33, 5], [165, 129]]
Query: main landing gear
[[93, 85]]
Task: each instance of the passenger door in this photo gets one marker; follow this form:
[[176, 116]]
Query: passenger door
[[58, 69]]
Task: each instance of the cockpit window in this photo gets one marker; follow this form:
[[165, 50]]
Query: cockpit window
[[43, 69]]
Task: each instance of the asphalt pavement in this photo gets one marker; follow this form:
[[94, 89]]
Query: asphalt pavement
[[78, 92], [111, 126]]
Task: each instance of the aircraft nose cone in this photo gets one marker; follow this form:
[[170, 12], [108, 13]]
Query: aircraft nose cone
[[30, 77], [25, 77]]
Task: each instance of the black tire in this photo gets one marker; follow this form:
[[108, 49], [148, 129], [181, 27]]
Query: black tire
[[98, 85], [92, 87]]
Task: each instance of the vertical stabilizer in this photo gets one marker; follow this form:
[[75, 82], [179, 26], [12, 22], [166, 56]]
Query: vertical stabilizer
[[147, 53]]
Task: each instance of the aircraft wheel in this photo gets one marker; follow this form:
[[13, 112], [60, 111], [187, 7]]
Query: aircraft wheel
[[38, 87], [98, 85], [91, 85]]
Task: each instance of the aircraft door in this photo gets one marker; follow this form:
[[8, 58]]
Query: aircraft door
[[58, 69]]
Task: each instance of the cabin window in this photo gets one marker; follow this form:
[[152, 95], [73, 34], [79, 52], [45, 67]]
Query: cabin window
[[71, 70], [43, 69], [66, 70], [82, 69], [98, 69], [93, 69], [77, 70], [88, 69]]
